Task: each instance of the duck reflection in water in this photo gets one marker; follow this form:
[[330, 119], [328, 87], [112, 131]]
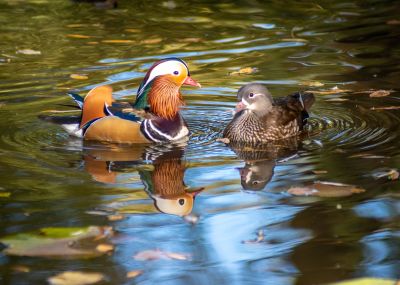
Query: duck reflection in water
[[163, 178], [260, 161]]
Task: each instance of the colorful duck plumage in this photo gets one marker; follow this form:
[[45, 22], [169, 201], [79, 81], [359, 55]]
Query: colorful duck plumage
[[154, 117]]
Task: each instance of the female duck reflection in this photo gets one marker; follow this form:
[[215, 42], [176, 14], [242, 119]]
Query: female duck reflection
[[163, 180], [260, 161]]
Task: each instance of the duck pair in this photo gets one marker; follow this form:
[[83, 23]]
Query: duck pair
[[155, 117]]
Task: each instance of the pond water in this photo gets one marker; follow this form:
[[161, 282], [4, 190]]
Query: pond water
[[235, 230]]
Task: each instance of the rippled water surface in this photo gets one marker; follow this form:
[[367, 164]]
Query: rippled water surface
[[226, 214]]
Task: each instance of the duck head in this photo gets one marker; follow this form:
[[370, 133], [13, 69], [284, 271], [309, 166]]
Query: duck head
[[255, 98], [160, 87]]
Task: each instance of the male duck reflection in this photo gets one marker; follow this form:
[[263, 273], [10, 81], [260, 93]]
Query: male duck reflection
[[154, 117], [261, 119], [164, 182]]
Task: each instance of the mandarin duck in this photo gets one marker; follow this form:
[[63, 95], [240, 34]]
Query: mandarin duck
[[154, 117], [261, 119]]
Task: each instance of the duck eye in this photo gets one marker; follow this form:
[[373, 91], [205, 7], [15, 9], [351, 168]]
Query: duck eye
[[176, 72], [251, 95], [181, 201]]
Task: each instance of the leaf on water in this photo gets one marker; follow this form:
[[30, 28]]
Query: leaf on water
[[320, 172], [105, 247], [393, 22], [191, 40], [380, 93], [260, 238], [385, 108], [117, 41], [79, 76], [152, 41], [92, 43], [295, 40], [132, 30], [391, 174], [325, 189], [29, 51], [76, 278], [337, 99], [154, 254], [245, 70], [21, 268], [56, 242], [134, 273], [5, 194], [116, 217], [77, 36], [312, 83], [75, 25], [367, 281]]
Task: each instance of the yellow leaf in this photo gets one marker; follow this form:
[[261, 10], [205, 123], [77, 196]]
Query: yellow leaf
[[152, 41], [134, 273], [311, 83], [79, 76], [76, 36], [5, 194], [117, 41], [245, 70], [76, 278], [115, 217], [104, 247]]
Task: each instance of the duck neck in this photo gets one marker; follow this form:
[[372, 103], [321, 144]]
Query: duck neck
[[164, 98]]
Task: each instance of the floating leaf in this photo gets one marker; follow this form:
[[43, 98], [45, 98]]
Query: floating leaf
[[393, 22], [29, 51], [76, 278], [21, 268], [325, 189], [391, 174], [117, 41], [132, 30], [134, 273], [320, 172], [245, 70], [367, 281], [312, 83], [77, 36], [158, 254], [105, 247], [92, 43], [385, 108], [152, 41], [56, 242], [79, 76], [5, 194], [380, 93], [75, 25], [115, 217]]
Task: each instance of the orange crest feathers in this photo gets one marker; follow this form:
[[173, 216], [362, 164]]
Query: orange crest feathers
[[93, 104]]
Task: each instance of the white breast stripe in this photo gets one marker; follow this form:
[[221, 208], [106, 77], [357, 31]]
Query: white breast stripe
[[148, 133], [183, 132]]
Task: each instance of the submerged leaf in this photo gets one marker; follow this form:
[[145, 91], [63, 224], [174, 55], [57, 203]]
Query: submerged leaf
[[76, 278], [55, 242], [154, 254], [325, 189]]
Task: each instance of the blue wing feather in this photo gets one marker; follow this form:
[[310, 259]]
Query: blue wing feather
[[77, 98]]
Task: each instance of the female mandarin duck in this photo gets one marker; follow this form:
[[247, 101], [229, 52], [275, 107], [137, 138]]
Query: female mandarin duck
[[155, 115], [260, 119]]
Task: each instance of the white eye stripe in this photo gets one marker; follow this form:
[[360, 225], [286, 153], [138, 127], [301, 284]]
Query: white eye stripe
[[163, 68]]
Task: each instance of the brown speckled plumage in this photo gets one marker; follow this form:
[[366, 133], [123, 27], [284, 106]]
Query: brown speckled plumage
[[262, 119]]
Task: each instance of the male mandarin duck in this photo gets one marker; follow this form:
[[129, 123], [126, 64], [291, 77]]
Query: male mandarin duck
[[261, 119], [154, 117]]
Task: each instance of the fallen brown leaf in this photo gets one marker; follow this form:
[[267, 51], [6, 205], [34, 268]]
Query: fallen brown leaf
[[154, 254], [393, 22], [117, 41], [114, 218], [245, 70], [29, 51], [134, 273], [152, 41], [79, 76], [380, 93], [76, 278], [104, 247], [320, 171], [132, 30], [77, 36], [21, 268]]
